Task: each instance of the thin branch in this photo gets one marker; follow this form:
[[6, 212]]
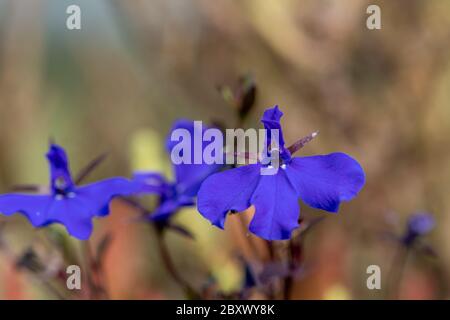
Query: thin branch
[[395, 276], [25, 188], [89, 167], [94, 277], [168, 263]]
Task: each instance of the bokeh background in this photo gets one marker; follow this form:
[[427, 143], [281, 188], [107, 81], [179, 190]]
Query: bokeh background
[[118, 84]]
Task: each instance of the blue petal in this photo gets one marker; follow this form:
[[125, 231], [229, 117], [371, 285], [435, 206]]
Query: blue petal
[[98, 195], [324, 181], [75, 214], [276, 207], [421, 223], [43, 210], [227, 190], [60, 176], [189, 177], [271, 120], [164, 211], [272, 117], [169, 207], [149, 182], [34, 207], [171, 201]]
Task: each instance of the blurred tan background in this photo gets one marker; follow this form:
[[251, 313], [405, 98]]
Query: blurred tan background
[[117, 85]]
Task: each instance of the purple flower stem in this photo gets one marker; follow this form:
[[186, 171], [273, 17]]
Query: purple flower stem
[[295, 255], [288, 281], [164, 252], [271, 249], [88, 260], [95, 281], [395, 276]]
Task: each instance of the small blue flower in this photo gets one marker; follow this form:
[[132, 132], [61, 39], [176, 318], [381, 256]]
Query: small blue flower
[[170, 199], [70, 205], [188, 178], [322, 182], [419, 224]]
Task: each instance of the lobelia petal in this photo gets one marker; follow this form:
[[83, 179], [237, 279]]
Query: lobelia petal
[[271, 120], [324, 181], [227, 190], [98, 195], [75, 214], [189, 177], [274, 139], [42, 210], [149, 182], [420, 223], [185, 201], [165, 210], [71, 206], [276, 207], [34, 207], [170, 206], [60, 177]]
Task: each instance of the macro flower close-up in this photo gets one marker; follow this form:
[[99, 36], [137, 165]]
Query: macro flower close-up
[[188, 177], [232, 157], [70, 205], [322, 182]]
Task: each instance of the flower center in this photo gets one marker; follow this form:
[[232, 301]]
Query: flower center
[[278, 158], [62, 188]]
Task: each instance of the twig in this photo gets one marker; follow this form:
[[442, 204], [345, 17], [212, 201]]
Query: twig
[[271, 250], [288, 281], [89, 167], [397, 270]]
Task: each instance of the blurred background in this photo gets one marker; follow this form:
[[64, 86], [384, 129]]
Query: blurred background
[[118, 84]]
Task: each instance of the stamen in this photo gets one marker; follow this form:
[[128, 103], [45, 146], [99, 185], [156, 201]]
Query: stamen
[[302, 142]]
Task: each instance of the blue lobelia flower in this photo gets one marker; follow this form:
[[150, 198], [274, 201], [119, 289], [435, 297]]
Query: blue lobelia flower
[[67, 204], [418, 224], [170, 199], [322, 182], [188, 176]]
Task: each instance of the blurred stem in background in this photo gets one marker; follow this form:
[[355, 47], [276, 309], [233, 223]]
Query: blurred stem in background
[[94, 273], [395, 276], [189, 291]]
